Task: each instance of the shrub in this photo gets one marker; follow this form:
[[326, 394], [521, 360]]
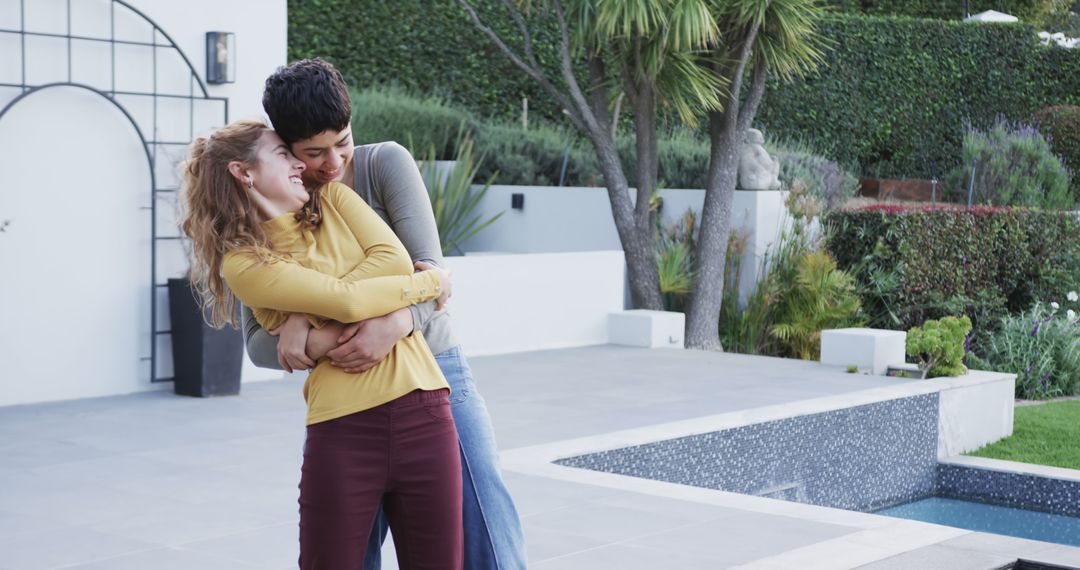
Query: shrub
[[1024, 9], [418, 123], [1014, 166], [683, 159], [454, 201], [428, 47], [940, 346], [821, 297], [1040, 347], [917, 263], [675, 260], [824, 179], [747, 328], [534, 157], [1061, 125], [893, 94]]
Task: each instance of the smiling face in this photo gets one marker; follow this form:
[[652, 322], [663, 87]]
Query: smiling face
[[277, 174], [327, 156]]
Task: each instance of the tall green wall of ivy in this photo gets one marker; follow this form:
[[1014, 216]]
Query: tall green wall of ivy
[[943, 9], [894, 94], [892, 97]]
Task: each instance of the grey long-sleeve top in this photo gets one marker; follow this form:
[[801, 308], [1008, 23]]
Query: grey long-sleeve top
[[386, 177]]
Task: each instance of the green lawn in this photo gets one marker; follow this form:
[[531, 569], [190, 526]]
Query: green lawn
[[1046, 434]]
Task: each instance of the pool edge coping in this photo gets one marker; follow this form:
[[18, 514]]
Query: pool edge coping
[[1013, 467]]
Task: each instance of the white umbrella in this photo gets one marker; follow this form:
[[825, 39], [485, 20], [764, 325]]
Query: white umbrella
[[992, 16]]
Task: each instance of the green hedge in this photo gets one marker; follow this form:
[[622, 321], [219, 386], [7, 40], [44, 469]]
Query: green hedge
[[892, 96], [423, 46], [1061, 124], [944, 9], [419, 123], [534, 156], [914, 264], [1013, 165]]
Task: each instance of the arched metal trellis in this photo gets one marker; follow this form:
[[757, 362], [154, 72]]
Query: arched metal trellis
[[156, 42]]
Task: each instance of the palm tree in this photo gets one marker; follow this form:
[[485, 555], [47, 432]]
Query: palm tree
[[822, 297], [758, 39], [691, 56], [648, 51]]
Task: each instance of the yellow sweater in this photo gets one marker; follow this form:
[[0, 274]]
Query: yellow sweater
[[349, 269]]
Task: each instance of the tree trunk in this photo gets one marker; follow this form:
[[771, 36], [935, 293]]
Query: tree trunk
[[588, 113], [703, 316], [726, 132], [637, 246], [647, 157]]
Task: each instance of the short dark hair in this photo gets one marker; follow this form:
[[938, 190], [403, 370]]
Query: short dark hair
[[306, 98]]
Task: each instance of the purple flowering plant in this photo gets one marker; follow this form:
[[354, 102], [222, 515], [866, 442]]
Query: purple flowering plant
[[1041, 346]]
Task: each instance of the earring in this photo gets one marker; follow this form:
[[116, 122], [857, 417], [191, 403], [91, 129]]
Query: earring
[[250, 183]]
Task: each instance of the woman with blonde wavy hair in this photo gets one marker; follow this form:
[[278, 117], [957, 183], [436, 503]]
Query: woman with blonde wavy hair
[[385, 434]]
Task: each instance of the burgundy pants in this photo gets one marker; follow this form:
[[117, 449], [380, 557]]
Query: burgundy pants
[[403, 453]]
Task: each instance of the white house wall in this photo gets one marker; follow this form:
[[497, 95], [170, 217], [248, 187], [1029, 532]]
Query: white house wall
[[76, 252]]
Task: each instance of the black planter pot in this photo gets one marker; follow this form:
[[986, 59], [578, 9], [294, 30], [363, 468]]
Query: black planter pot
[[206, 361]]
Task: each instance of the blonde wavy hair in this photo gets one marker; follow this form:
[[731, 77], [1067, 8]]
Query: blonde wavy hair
[[219, 215]]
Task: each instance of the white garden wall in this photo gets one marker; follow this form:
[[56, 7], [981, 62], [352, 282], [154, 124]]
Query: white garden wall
[[514, 303], [557, 219]]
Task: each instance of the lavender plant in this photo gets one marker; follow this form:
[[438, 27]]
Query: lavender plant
[[1041, 346], [1014, 166]]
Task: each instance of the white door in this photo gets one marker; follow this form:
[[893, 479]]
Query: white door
[[75, 258]]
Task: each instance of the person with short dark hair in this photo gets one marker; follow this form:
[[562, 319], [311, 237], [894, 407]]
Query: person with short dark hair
[[308, 103]]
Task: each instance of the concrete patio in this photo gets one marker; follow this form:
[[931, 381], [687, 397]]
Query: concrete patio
[[156, 481]]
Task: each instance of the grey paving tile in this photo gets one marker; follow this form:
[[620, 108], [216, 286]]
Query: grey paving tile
[[41, 453], [941, 558], [110, 470], [537, 495], [996, 544], [686, 510], [12, 524], [624, 557], [213, 487], [64, 547], [544, 544], [287, 449], [1065, 555], [166, 559], [172, 523], [275, 546], [608, 522], [742, 538], [76, 505]]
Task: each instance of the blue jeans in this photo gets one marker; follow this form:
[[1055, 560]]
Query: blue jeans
[[493, 535]]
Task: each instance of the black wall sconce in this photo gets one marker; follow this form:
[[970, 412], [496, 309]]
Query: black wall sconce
[[517, 201], [220, 57]]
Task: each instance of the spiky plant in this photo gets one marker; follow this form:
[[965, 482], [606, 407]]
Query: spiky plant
[[822, 297]]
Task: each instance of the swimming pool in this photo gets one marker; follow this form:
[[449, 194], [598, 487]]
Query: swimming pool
[[866, 458], [995, 519]]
